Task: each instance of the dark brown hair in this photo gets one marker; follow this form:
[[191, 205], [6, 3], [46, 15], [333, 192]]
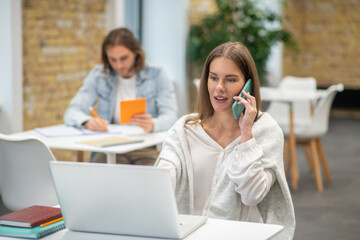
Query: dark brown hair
[[241, 56], [123, 37]]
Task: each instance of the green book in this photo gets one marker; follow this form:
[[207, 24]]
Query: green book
[[31, 233]]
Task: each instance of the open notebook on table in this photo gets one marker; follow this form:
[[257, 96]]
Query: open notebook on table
[[137, 200]]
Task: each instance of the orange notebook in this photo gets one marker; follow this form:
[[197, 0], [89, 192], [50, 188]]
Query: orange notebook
[[129, 108], [31, 216]]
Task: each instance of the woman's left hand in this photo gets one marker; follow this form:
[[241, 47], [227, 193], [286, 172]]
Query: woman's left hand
[[247, 118]]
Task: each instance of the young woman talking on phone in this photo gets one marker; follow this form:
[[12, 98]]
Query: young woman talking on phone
[[224, 167]]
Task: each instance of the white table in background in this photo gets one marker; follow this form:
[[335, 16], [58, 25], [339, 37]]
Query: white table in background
[[72, 142], [272, 94], [213, 229]]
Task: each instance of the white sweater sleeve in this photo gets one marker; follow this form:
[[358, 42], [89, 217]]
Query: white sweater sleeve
[[172, 170], [252, 181]]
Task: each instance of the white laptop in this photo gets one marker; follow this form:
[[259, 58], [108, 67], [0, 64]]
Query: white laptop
[[120, 199]]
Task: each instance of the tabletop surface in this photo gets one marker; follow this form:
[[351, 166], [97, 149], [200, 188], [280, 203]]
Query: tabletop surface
[[275, 94], [213, 229], [74, 142]]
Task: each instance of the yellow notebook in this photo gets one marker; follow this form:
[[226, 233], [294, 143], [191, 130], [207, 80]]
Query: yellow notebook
[[112, 141], [129, 108]]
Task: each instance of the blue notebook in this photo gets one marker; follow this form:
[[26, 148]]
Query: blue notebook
[[31, 233]]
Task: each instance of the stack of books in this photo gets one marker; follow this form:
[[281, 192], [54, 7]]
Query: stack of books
[[33, 222]]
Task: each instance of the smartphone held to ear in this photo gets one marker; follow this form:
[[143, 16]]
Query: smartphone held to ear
[[239, 108]]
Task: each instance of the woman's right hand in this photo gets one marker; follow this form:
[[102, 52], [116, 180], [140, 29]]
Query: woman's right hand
[[247, 118], [97, 124]]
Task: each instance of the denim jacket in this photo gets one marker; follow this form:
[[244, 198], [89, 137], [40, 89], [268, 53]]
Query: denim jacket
[[151, 83]]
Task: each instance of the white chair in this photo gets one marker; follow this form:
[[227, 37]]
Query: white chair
[[25, 177], [318, 123], [310, 135], [309, 131]]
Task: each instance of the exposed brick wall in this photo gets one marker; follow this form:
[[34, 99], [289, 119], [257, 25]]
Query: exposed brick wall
[[328, 34], [61, 44]]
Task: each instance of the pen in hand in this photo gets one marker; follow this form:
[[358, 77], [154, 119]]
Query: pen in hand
[[99, 120]]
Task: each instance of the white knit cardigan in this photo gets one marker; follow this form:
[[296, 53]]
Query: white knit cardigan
[[225, 203]]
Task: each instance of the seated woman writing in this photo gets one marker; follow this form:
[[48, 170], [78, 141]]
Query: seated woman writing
[[224, 167]]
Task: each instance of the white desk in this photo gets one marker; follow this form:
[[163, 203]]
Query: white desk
[[72, 142], [275, 95], [214, 229]]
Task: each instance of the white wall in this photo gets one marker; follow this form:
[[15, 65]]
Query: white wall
[[114, 14], [164, 33], [132, 12], [11, 100], [274, 64]]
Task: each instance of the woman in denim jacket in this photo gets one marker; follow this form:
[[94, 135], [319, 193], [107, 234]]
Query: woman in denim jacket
[[123, 76]]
